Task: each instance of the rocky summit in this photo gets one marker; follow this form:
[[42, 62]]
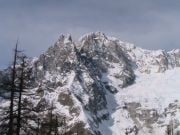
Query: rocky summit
[[104, 86]]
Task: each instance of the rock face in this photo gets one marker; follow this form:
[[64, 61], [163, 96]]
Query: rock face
[[151, 61], [85, 70], [106, 53], [81, 79]]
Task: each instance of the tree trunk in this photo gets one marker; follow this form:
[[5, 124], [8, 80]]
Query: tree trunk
[[20, 96], [11, 115]]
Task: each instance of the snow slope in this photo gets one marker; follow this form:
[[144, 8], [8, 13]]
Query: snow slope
[[153, 91], [157, 88]]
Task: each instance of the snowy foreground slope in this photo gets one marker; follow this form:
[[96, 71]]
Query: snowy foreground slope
[[152, 101], [107, 87]]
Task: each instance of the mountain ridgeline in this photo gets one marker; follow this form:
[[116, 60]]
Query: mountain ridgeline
[[82, 78], [82, 69]]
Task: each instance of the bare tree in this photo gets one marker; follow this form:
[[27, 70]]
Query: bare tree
[[13, 87], [168, 130], [21, 89], [51, 119]]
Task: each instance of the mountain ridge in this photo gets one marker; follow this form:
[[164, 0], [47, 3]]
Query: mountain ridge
[[87, 82]]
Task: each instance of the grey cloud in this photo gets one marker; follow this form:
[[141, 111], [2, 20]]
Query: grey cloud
[[151, 24]]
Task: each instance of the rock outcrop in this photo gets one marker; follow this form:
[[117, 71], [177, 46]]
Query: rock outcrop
[[79, 79]]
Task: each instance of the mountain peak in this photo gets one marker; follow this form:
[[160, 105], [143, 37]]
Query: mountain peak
[[65, 38], [104, 85], [93, 36]]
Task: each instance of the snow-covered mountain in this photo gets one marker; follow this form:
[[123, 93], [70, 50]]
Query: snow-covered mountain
[[108, 86]]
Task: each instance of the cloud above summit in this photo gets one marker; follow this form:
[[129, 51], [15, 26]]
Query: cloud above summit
[[151, 24]]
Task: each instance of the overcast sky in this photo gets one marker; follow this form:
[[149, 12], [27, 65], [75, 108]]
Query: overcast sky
[[151, 24]]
